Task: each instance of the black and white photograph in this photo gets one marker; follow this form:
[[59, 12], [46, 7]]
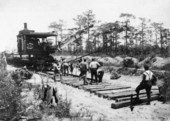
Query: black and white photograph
[[84, 60]]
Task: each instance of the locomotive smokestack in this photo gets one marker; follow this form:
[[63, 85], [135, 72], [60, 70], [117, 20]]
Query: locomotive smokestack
[[25, 25]]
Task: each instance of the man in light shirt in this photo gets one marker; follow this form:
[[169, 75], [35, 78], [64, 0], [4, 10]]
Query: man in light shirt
[[146, 83], [93, 68]]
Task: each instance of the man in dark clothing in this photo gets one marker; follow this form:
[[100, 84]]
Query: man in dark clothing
[[146, 83], [94, 65], [71, 68], [83, 71], [48, 93], [100, 72], [100, 75], [65, 66]]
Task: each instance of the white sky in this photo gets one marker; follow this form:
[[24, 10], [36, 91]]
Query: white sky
[[40, 13]]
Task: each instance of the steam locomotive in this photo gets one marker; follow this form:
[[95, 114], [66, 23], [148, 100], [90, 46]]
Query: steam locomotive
[[37, 46]]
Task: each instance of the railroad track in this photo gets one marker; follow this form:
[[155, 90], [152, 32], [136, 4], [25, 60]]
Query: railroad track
[[121, 95]]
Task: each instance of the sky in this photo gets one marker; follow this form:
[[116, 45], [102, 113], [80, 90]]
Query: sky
[[38, 14]]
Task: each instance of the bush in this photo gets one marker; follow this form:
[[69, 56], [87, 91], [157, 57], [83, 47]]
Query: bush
[[10, 97], [141, 58], [128, 63], [62, 110], [166, 67]]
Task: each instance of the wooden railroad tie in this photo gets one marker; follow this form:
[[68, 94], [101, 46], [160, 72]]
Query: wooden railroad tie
[[121, 99], [126, 103], [108, 88], [125, 94]]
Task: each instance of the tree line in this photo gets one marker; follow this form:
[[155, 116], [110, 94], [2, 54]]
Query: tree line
[[128, 36]]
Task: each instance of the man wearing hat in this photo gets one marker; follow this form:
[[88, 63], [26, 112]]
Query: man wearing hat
[[145, 83]]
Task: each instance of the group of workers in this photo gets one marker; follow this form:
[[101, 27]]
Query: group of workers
[[93, 67], [64, 68]]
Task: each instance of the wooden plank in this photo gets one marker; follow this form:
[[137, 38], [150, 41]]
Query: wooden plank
[[128, 98], [108, 88], [122, 104], [102, 93], [101, 88], [123, 94], [94, 86]]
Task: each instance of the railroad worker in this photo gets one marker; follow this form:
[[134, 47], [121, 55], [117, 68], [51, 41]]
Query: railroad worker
[[49, 94], [61, 65], [87, 67], [94, 65], [100, 73], [83, 71], [57, 71], [65, 67], [145, 83], [71, 68]]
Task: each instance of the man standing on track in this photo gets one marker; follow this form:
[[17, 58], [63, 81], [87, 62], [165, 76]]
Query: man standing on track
[[94, 65], [100, 73], [57, 71], [71, 68], [83, 71], [65, 66]]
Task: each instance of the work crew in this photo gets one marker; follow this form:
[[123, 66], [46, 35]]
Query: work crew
[[145, 83], [94, 65], [83, 71]]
